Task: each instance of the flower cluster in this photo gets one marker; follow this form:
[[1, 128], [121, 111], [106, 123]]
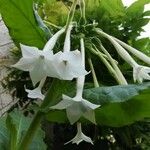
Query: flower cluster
[[64, 65], [44, 63], [140, 72], [78, 107]]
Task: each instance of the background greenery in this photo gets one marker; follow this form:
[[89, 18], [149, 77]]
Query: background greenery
[[118, 112]]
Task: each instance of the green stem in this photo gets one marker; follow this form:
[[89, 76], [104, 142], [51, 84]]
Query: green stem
[[29, 135], [71, 13], [121, 78], [82, 7], [51, 24], [107, 64], [31, 131], [96, 84]]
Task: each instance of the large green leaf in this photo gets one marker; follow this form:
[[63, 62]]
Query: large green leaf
[[4, 138], [12, 129], [120, 105], [114, 7], [136, 8], [119, 93], [23, 26], [143, 45]]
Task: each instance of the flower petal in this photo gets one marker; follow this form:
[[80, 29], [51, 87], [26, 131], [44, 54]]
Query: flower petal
[[52, 41], [90, 115], [28, 51], [74, 112], [35, 93], [66, 102], [24, 64], [89, 104], [38, 71]]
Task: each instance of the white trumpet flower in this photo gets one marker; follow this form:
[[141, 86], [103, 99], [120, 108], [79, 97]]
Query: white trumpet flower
[[141, 73], [80, 136], [77, 107], [36, 93], [68, 65], [134, 51], [39, 63]]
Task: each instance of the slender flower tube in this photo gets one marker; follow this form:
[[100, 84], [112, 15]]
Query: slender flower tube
[[77, 106], [52, 41], [36, 93], [121, 51], [67, 43], [39, 63], [139, 72], [68, 63], [80, 136], [134, 51], [120, 76]]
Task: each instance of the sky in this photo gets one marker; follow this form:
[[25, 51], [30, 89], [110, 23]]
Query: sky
[[147, 27]]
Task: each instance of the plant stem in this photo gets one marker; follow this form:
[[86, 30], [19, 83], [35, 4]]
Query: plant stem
[[116, 68], [51, 24], [107, 64], [29, 135], [27, 139], [81, 79], [71, 13], [82, 7], [96, 84]]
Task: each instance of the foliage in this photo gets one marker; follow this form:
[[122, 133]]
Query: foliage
[[117, 102], [21, 22], [13, 126], [120, 105]]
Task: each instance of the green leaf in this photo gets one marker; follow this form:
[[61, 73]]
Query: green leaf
[[120, 105], [13, 133], [114, 7], [146, 13], [119, 93], [137, 8], [143, 45], [14, 127], [20, 19], [4, 138], [125, 113]]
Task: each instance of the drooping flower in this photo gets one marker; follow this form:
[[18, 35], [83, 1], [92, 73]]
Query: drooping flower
[[68, 65], [36, 93], [121, 51], [134, 51], [77, 107], [80, 136], [141, 73], [39, 63]]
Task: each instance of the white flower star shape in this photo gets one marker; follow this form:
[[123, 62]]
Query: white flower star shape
[[36, 93], [80, 136], [77, 107], [69, 65], [141, 73], [39, 63]]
